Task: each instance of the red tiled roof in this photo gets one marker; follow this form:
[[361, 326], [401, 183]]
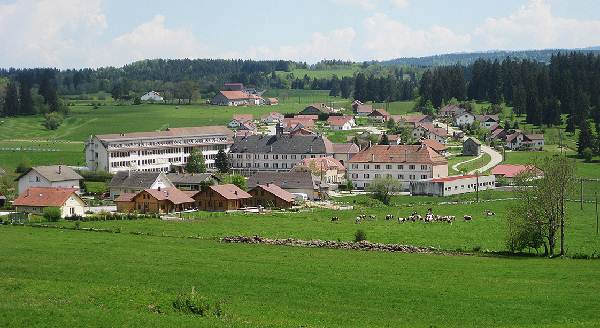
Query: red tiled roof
[[326, 163], [173, 195], [44, 196], [379, 112], [399, 154], [292, 122], [364, 108], [345, 148], [230, 191], [437, 131], [126, 197], [410, 118], [306, 117], [277, 191], [434, 145], [339, 120], [234, 95], [512, 170]]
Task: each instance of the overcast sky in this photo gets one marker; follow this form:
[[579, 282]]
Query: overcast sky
[[93, 33]]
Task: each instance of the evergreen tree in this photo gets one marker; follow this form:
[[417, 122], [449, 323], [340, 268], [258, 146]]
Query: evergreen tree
[[586, 137], [11, 101], [25, 98], [360, 87], [195, 163], [222, 161], [384, 140]]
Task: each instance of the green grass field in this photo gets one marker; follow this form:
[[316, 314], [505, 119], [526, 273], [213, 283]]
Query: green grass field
[[38, 152], [57, 278]]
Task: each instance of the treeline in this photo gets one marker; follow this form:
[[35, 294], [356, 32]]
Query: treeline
[[569, 85], [30, 92]]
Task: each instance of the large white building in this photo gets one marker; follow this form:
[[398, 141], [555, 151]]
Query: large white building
[[155, 151], [406, 163]]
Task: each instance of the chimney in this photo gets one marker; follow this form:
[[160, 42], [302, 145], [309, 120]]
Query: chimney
[[372, 157], [159, 188]]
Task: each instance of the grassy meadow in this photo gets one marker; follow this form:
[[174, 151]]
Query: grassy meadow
[[102, 279]]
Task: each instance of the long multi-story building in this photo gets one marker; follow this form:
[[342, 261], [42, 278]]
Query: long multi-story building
[[279, 152], [157, 151], [406, 163]]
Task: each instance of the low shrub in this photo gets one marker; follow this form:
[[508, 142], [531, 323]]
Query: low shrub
[[195, 304], [52, 214], [360, 235]]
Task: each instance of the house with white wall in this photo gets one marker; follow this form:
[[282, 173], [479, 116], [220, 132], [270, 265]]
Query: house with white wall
[[152, 96], [35, 199], [57, 176]]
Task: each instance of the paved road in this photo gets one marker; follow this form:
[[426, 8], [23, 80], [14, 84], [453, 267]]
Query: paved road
[[496, 159]]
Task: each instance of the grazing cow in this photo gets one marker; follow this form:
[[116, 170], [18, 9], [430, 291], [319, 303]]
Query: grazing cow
[[489, 213], [468, 218], [371, 217], [389, 217], [357, 220], [335, 219]]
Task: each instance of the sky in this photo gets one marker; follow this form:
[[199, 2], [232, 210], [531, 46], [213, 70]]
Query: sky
[[95, 33]]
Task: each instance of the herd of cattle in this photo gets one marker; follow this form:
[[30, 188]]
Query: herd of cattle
[[415, 217]]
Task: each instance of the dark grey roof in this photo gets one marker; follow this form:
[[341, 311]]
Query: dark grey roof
[[54, 173], [191, 178], [133, 180], [474, 140], [283, 144], [285, 180]]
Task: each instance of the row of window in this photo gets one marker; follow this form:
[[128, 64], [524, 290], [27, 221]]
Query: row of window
[[265, 165], [471, 186], [399, 176], [389, 166], [272, 156]]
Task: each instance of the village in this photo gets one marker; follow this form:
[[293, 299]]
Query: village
[[283, 160]]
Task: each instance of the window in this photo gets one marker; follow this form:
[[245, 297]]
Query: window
[[401, 176], [388, 167], [423, 167], [400, 167], [424, 176], [377, 175], [377, 167], [266, 156], [266, 165], [366, 175], [354, 176], [366, 166], [411, 167], [412, 177]]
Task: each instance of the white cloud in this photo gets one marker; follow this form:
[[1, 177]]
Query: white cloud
[[534, 26], [388, 38], [335, 44], [372, 4], [48, 32], [149, 40], [400, 3]]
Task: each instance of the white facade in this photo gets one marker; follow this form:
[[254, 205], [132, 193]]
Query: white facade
[[152, 96], [253, 162], [453, 185], [421, 132], [344, 127], [464, 119], [72, 206], [34, 179], [152, 152], [362, 174]]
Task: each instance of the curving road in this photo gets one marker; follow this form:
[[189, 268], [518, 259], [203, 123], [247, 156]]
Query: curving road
[[496, 158]]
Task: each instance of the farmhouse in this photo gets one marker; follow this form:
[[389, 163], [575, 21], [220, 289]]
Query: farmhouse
[[35, 199], [439, 148], [403, 162], [192, 181], [471, 147], [273, 118], [412, 120], [453, 185], [271, 196], [316, 109], [488, 121], [328, 169], [125, 182], [239, 119], [521, 141], [341, 123], [152, 96], [225, 197], [450, 111], [57, 176], [511, 171], [279, 152], [230, 98], [272, 101], [464, 119], [161, 200], [429, 131], [157, 151], [298, 182], [379, 115]]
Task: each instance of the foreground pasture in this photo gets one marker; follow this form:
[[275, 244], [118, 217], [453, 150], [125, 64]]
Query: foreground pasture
[[53, 278]]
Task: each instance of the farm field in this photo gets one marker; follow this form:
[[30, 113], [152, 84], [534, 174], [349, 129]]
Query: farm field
[[483, 233], [101, 279]]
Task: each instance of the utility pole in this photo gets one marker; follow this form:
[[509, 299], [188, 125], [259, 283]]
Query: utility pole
[[581, 194], [596, 195], [477, 185]]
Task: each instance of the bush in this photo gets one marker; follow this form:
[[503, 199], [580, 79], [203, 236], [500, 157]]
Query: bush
[[53, 120], [52, 214], [192, 303], [360, 235], [587, 154]]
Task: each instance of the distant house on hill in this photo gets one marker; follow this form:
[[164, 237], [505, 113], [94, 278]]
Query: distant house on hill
[[379, 115], [239, 119], [152, 96], [429, 131], [342, 123], [360, 109], [316, 109], [488, 121], [273, 118], [450, 111], [58, 176], [464, 119], [230, 98], [439, 147], [412, 120]]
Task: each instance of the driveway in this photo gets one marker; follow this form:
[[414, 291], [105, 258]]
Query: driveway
[[496, 158]]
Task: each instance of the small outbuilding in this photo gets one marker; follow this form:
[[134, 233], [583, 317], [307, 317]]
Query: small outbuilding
[[471, 147], [221, 198], [271, 196]]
